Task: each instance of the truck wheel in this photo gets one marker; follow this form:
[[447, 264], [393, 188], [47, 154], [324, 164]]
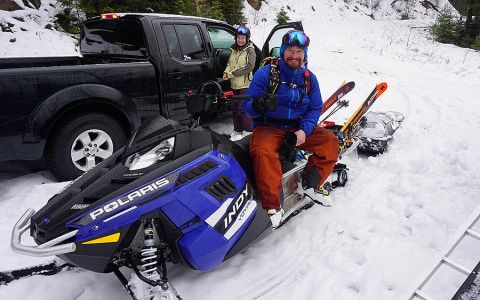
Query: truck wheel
[[81, 143]]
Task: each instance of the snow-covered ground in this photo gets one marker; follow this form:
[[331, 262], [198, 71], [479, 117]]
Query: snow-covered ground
[[398, 210], [31, 32]]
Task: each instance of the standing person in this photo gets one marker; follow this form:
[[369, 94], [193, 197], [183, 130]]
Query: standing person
[[239, 70], [293, 109]]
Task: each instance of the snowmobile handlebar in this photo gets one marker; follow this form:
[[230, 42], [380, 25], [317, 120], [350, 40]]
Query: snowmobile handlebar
[[213, 89], [229, 96], [49, 248]]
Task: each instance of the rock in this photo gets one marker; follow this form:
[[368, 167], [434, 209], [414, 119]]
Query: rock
[[36, 3], [9, 5], [6, 27], [13, 40], [256, 4], [429, 5], [32, 3]]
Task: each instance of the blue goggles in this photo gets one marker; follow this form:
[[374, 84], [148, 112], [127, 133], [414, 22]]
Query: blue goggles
[[243, 30], [296, 38]]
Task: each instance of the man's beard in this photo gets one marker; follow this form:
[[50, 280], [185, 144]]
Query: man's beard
[[294, 63]]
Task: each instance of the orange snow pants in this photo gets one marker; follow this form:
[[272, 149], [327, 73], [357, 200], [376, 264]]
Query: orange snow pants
[[264, 146]]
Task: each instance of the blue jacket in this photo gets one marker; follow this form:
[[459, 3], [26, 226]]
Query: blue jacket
[[292, 102]]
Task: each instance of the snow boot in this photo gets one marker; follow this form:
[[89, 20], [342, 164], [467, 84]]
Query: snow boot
[[275, 216], [320, 196]]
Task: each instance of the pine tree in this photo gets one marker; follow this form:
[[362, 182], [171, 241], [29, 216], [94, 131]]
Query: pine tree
[[445, 28], [183, 7], [282, 17], [213, 9], [232, 11], [476, 45], [226, 10]]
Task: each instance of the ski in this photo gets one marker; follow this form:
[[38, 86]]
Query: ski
[[351, 126], [47, 269], [344, 89]]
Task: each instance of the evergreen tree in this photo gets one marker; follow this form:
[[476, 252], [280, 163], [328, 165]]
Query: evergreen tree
[[282, 17], [183, 7], [212, 9], [476, 45], [464, 32], [226, 10], [232, 11], [444, 29]]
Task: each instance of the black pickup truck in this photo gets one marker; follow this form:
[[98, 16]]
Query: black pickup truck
[[76, 111]]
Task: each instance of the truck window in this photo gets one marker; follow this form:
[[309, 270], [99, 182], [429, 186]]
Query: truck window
[[191, 42], [276, 39], [171, 40], [221, 38], [117, 37]]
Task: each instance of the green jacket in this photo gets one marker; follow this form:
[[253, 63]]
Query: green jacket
[[240, 66]]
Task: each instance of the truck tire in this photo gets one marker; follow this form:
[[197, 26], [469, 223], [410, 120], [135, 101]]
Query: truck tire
[[82, 142]]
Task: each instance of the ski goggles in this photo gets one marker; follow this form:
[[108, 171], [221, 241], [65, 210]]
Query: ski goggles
[[296, 38], [243, 30]]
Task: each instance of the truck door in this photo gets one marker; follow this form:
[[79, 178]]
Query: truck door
[[274, 39], [185, 62]]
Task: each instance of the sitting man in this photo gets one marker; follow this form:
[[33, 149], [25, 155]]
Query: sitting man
[[292, 107]]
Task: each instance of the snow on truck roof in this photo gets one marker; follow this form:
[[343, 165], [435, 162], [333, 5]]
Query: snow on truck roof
[[164, 16]]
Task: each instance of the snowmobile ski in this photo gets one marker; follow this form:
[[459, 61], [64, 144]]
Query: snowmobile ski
[[47, 269]]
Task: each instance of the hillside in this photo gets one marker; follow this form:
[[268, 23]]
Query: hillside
[[398, 210]]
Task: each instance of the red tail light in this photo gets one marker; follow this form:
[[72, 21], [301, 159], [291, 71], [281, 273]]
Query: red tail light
[[109, 16]]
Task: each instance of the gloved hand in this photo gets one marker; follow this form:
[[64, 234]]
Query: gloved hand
[[286, 153], [265, 103]]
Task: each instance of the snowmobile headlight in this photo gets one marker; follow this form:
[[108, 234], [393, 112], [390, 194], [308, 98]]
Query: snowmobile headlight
[[158, 153]]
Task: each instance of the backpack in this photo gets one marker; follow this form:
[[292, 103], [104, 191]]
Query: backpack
[[275, 75]]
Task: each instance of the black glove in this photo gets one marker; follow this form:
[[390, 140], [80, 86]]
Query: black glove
[[287, 151], [265, 103]]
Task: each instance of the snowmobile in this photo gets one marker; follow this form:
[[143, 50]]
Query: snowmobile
[[174, 194]]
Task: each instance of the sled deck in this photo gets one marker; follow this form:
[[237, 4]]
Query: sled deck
[[470, 289]]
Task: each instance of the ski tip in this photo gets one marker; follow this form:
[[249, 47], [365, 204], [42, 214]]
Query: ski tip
[[382, 86]]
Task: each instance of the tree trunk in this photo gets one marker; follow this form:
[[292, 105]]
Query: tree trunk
[[469, 22], [197, 6]]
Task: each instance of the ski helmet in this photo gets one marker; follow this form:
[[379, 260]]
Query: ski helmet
[[243, 30], [295, 38]]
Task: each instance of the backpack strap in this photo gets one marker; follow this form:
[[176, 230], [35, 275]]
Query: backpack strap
[[306, 81], [274, 76]]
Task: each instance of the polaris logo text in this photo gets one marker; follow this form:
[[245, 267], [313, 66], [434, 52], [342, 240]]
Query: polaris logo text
[[111, 206], [235, 209]]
